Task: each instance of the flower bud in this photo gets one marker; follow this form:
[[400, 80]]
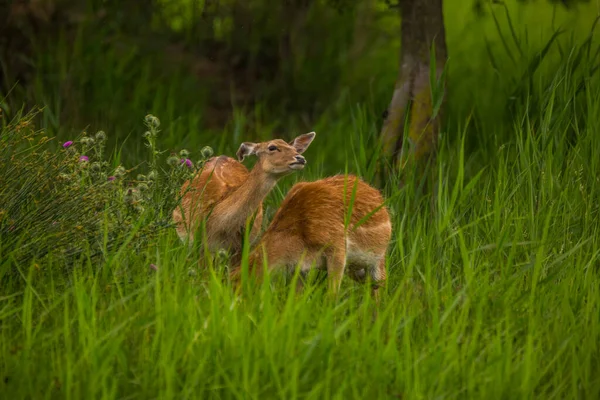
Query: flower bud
[[207, 152], [101, 136], [173, 161], [152, 121]]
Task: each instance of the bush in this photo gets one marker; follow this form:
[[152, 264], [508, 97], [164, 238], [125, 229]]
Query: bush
[[68, 202]]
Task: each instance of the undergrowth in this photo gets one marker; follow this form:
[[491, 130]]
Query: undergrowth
[[73, 203], [493, 288], [494, 294]]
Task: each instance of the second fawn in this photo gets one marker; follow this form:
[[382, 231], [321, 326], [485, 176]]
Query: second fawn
[[338, 224], [225, 194]]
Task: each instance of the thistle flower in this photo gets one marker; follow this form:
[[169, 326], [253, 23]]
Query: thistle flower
[[152, 121], [84, 159], [207, 152], [67, 144], [187, 162], [101, 136], [153, 267], [111, 178], [184, 153], [173, 160]]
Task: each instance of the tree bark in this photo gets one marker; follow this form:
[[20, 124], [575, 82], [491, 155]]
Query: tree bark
[[412, 105]]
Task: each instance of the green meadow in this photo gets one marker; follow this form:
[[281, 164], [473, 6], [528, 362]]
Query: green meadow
[[493, 287]]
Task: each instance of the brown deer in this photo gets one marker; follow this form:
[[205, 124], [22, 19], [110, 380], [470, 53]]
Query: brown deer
[[318, 226], [224, 194]]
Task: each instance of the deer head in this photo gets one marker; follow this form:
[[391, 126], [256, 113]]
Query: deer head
[[276, 157]]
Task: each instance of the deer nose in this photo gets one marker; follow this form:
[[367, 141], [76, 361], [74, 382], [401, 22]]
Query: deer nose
[[301, 159]]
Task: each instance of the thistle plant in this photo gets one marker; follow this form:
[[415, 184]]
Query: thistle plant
[[62, 203]]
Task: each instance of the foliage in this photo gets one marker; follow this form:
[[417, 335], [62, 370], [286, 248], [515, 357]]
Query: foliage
[[495, 295], [71, 202]]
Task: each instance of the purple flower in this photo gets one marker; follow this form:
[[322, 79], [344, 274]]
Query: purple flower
[[187, 162], [67, 144], [111, 178], [153, 267], [84, 158]]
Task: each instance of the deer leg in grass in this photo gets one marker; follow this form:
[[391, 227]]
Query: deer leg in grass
[[305, 269], [378, 277], [336, 264]]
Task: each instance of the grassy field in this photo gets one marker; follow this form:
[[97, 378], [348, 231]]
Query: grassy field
[[493, 294]]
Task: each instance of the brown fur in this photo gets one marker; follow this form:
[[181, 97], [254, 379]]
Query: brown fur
[[309, 228], [225, 194]]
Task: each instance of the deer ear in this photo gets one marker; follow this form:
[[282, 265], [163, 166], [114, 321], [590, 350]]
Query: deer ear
[[302, 142], [246, 149]]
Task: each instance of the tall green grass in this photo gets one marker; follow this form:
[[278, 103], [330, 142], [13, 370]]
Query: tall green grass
[[494, 294]]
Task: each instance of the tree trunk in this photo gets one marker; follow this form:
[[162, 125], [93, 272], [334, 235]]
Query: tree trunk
[[412, 103]]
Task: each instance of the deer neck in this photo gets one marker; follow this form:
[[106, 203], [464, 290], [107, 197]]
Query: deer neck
[[246, 199]]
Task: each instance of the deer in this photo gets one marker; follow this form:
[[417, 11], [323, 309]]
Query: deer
[[226, 195], [338, 224]]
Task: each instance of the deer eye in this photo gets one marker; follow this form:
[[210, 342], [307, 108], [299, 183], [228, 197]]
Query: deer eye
[[272, 147]]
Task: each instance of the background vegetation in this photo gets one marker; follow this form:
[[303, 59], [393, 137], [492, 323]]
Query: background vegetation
[[493, 294]]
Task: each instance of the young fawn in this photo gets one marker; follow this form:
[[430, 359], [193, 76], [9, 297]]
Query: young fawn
[[312, 228], [225, 194]]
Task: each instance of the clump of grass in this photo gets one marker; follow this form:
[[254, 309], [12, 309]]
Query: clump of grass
[[72, 202]]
